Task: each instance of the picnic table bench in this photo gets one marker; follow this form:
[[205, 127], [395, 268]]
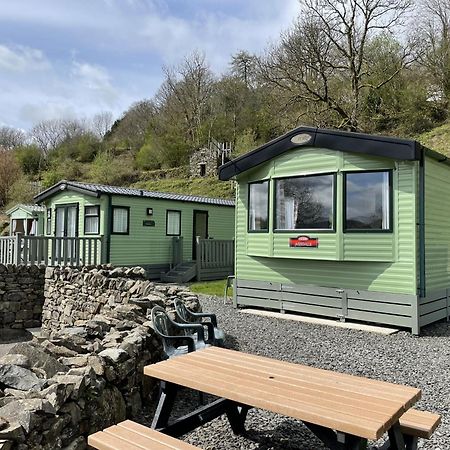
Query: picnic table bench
[[343, 411]]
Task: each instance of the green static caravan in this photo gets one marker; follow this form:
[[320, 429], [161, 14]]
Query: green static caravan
[[137, 227], [26, 219], [343, 225]]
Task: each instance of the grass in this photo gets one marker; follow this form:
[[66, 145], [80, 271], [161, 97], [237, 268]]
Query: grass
[[208, 187], [216, 288], [437, 139]]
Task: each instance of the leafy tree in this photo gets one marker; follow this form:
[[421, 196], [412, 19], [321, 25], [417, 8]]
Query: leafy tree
[[30, 158], [9, 172]]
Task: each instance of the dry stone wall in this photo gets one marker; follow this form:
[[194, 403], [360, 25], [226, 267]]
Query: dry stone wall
[[85, 371], [74, 295], [21, 296]]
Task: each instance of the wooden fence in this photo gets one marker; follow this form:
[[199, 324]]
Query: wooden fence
[[215, 259], [51, 251]]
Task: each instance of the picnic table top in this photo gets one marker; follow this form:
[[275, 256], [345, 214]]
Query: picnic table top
[[350, 404]]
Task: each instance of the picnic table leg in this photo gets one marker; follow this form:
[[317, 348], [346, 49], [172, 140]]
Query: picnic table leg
[[168, 392], [236, 416], [396, 438], [336, 440]]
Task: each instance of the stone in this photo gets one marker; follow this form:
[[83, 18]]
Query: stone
[[58, 350], [39, 358], [5, 445], [77, 444], [76, 382], [17, 377], [13, 431], [57, 394], [77, 361], [115, 355], [16, 359]]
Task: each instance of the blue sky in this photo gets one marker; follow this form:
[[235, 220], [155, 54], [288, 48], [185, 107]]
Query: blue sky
[[74, 58]]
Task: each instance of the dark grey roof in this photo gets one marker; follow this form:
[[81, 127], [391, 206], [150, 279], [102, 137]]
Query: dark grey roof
[[99, 189], [388, 147]]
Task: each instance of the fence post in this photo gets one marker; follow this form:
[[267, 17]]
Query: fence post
[[18, 249], [198, 258]]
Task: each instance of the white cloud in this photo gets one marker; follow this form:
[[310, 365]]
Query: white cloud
[[96, 79], [20, 59]]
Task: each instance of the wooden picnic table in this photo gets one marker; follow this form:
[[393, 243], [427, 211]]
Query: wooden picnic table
[[344, 411]]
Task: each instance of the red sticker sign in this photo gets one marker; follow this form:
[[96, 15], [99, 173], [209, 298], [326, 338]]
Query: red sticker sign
[[303, 241]]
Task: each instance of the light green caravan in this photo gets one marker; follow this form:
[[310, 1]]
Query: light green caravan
[[26, 219], [156, 230], [343, 225]]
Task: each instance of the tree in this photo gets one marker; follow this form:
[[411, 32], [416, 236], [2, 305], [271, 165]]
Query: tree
[[101, 124], [243, 66], [30, 158], [185, 95], [11, 137], [434, 49], [9, 173], [322, 59]]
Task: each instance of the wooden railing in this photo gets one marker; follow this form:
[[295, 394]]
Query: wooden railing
[[215, 258], [51, 251]]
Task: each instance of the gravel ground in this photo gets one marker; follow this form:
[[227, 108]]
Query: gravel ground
[[423, 362]]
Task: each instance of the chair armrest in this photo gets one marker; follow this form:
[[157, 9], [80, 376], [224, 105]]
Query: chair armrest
[[189, 340], [198, 328], [211, 336], [211, 316]]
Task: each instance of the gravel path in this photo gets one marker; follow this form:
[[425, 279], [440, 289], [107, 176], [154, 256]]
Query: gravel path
[[423, 362]]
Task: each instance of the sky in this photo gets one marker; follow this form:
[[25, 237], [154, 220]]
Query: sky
[[75, 58]]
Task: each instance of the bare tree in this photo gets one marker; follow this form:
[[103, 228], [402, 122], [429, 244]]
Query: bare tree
[[186, 93], [11, 137], [101, 123], [322, 59], [47, 134], [434, 37]]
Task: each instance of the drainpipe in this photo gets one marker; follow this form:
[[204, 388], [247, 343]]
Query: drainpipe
[[422, 226]]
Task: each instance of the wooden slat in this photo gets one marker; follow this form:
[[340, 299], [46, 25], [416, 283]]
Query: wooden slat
[[350, 404], [130, 435], [419, 423]]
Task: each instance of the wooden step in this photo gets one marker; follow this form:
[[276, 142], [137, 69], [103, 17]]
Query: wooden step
[[129, 435], [419, 423]]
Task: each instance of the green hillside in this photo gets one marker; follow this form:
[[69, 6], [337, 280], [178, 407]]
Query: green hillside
[[437, 139], [209, 187]]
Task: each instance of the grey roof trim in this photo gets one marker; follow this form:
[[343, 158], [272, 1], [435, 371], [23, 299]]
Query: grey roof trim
[[98, 189], [383, 146]]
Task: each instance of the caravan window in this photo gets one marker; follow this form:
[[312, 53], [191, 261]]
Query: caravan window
[[258, 209], [368, 200], [305, 203]]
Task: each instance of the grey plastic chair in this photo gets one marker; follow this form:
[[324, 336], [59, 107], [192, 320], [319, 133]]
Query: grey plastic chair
[[215, 335], [191, 337]]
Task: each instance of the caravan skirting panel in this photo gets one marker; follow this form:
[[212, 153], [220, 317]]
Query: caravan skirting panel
[[399, 310]]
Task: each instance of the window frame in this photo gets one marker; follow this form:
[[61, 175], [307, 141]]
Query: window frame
[[390, 197], [306, 230], [167, 221], [265, 230], [97, 207], [48, 221], [120, 233]]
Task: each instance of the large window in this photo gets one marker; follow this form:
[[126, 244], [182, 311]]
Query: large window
[[368, 201], [92, 219], [120, 220], [258, 210], [305, 203], [173, 223]]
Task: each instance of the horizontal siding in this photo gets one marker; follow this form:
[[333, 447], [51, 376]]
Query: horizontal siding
[[373, 262], [381, 248], [150, 245], [437, 225], [327, 248]]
